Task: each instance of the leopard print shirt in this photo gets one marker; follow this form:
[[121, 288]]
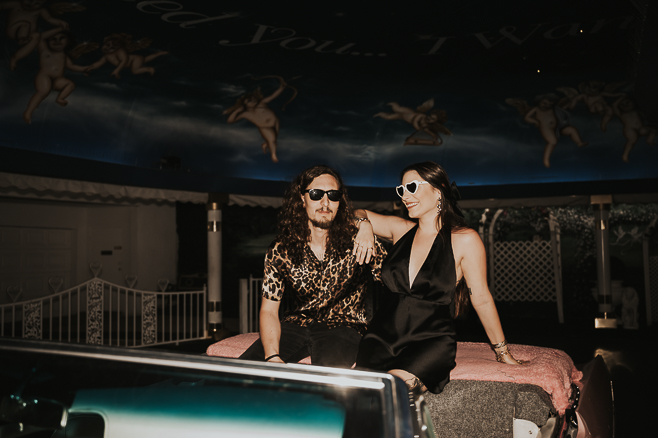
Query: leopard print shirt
[[331, 291]]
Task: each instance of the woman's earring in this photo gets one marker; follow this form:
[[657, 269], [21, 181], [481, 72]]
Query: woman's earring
[[439, 204]]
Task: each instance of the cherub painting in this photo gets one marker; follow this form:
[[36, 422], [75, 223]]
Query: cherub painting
[[53, 61], [593, 94], [633, 126], [254, 107], [551, 120], [117, 50], [423, 119], [23, 23]]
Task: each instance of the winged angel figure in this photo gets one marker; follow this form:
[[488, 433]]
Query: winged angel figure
[[117, 50], [593, 94], [55, 57], [423, 119], [254, 107], [552, 120], [23, 19]]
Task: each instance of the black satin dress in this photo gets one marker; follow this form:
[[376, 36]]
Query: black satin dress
[[413, 327]]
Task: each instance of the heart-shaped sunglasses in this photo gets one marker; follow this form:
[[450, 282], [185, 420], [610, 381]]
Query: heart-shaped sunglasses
[[411, 187]]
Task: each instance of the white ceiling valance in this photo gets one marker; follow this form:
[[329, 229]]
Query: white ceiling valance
[[57, 189], [275, 202], [552, 201]]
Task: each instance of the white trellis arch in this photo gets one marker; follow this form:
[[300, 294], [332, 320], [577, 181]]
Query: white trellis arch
[[524, 270]]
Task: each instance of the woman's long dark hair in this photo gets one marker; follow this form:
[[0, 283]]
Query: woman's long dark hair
[[293, 220], [450, 216]]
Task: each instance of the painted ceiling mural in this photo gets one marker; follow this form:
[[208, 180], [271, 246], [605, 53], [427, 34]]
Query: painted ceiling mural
[[252, 90]]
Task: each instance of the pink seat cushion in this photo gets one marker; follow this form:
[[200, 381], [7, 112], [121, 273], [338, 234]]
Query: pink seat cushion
[[552, 370]]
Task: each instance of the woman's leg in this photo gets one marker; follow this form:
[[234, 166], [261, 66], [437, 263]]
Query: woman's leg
[[413, 383]]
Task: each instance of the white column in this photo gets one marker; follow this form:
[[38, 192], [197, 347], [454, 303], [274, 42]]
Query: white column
[[214, 268], [601, 204]]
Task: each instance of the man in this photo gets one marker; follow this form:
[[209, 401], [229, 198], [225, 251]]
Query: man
[[316, 257]]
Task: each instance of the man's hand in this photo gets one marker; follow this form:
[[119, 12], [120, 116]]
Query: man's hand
[[276, 359], [364, 243]]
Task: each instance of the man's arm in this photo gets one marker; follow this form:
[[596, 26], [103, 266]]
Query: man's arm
[[270, 328]]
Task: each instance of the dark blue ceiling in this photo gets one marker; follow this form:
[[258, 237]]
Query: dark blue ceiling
[[357, 79]]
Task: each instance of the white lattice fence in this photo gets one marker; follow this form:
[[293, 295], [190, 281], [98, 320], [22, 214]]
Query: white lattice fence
[[251, 290], [523, 271], [250, 296]]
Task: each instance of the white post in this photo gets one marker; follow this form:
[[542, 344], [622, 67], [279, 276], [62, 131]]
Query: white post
[[244, 305], [214, 269], [607, 317], [492, 253], [557, 265], [647, 277]]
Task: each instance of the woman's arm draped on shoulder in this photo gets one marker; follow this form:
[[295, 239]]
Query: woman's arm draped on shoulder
[[387, 227], [473, 262]]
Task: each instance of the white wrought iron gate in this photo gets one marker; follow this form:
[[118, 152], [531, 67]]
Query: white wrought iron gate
[[102, 313]]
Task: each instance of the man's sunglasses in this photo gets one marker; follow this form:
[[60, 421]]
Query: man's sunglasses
[[410, 187], [317, 194]]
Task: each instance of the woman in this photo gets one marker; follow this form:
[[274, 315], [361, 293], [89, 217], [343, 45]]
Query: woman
[[434, 257]]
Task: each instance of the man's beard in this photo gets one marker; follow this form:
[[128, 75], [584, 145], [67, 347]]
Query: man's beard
[[324, 225]]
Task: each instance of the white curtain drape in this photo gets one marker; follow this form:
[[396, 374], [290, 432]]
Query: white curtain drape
[[39, 187]]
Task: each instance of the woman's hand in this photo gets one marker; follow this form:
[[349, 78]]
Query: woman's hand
[[364, 243]]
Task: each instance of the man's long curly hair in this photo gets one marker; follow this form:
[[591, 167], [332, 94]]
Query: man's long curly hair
[[293, 220]]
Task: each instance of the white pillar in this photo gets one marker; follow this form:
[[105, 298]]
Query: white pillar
[[601, 204], [214, 268]]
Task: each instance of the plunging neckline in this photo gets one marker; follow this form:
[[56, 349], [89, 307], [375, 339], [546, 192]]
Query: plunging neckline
[[411, 283]]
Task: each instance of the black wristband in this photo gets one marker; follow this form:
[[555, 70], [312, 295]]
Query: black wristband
[[267, 359]]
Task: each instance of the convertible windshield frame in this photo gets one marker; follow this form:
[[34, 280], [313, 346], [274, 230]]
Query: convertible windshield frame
[[290, 377]]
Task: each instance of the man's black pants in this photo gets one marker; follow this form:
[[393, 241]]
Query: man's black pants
[[334, 347]]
